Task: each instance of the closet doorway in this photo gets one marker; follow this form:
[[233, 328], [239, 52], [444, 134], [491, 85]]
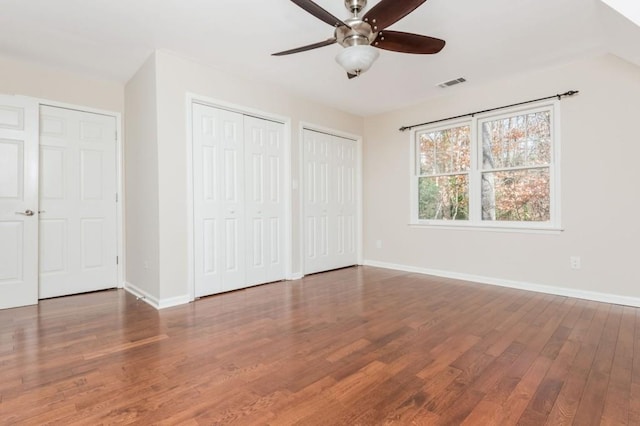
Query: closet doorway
[[239, 201], [331, 194]]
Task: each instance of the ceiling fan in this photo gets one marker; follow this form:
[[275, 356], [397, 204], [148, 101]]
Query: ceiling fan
[[361, 35]]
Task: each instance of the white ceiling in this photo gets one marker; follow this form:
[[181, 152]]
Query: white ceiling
[[489, 39]]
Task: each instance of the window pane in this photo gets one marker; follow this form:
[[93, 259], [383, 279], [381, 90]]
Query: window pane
[[516, 195], [444, 151], [444, 198], [522, 140]]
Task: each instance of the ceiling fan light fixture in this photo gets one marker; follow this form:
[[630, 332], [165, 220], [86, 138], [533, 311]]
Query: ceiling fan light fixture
[[357, 59]]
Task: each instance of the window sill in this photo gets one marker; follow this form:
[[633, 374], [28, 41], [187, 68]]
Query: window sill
[[553, 230]]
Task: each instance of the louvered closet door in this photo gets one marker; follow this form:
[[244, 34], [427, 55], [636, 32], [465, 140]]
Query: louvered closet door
[[239, 211], [330, 202]]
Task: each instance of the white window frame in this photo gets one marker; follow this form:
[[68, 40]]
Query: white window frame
[[475, 212]]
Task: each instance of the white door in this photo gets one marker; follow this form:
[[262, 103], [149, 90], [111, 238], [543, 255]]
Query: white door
[[264, 204], [18, 202], [344, 202], [316, 202], [330, 202], [239, 210], [218, 169], [78, 185]]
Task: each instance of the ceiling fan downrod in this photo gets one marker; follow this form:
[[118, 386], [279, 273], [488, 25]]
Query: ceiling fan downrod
[[355, 6]]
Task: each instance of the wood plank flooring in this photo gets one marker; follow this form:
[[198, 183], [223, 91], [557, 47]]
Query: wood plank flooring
[[358, 346]]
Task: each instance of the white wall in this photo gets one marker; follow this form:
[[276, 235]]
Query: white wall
[[141, 183], [177, 76], [599, 179], [29, 79]]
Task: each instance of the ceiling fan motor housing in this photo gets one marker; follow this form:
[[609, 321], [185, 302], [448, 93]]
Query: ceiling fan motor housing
[[356, 34]]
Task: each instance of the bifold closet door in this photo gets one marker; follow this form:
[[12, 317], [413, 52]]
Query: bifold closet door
[[330, 202], [18, 202], [264, 207], [218, 165], [78, 185], [238, 205]]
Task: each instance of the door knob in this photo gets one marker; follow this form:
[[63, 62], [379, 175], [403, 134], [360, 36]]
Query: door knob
[[26, 213]]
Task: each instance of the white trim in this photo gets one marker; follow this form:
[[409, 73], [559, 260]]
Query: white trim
[[520, 285], [120, 206], [450, 225], [192, 98], [328, 131], [191, 283], [152, 301], [359, 202], [288, 200], [359, 186], [241, 109], [295, 277]]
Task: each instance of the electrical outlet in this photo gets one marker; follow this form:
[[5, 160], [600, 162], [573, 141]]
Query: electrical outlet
[[379, 244], [575, 262], [146, 265]]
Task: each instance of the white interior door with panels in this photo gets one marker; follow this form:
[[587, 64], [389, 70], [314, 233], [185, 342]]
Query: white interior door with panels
[[78, 200], [264, 203], [238, 208], [18, 202], [330, 207]]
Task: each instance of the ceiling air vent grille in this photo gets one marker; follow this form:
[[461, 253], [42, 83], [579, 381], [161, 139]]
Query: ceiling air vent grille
[[452, 82]]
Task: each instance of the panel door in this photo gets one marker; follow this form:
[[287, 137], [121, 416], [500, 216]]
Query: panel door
[[218, 182], [78, 185], [344, 203], [317, 207], [264, 204], [18, 202], [330, 202]]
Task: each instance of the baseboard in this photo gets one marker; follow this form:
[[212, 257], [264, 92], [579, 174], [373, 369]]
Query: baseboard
[[174, 301], [295, 276], [153, 301], [539, 288]]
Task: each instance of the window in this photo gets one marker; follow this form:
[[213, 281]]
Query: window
[[491, 171]]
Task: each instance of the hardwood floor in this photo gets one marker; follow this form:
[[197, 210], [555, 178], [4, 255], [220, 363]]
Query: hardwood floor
[[359, 346]]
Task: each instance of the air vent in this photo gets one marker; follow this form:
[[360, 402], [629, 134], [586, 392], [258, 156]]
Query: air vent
[[452, 82]]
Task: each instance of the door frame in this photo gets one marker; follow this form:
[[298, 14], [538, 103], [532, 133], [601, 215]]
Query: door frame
[[120, 226], [359, 190], [192, 98]]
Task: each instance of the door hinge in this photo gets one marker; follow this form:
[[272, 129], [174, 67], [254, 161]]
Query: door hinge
[[117, 260], [116, 197]]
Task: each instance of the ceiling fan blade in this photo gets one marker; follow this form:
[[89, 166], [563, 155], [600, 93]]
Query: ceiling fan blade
[[388, 12], [319, 13], [305, 48], [351, 75], [398, 41]]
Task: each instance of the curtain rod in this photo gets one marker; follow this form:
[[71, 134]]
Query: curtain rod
[[559, 96]]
